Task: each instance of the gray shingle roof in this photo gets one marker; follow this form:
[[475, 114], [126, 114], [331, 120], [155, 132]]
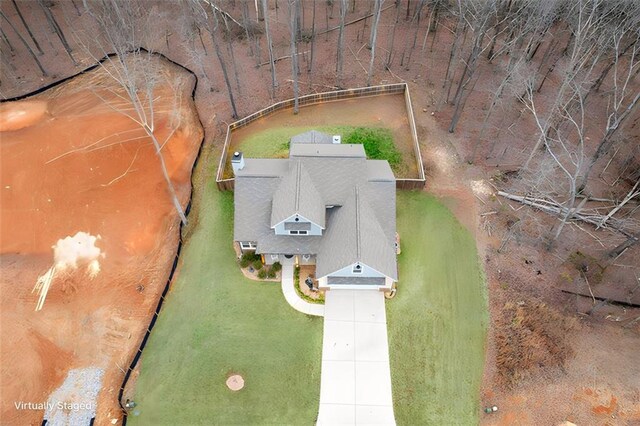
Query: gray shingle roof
[[312, 136], [260, 167], [343, 150], [361, 228], [355, 235], [297, 194]]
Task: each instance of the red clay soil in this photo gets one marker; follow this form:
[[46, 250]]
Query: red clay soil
[[71, 163], [604, 344]]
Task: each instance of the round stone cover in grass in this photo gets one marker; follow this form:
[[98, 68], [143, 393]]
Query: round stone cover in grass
[[235, 382]]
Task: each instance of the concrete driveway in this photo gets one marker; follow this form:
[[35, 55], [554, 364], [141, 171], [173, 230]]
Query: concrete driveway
[[355, 385]]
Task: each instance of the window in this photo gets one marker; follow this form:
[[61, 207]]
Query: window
[[357, 269], [303, 232], [250, 245], [293, 232]]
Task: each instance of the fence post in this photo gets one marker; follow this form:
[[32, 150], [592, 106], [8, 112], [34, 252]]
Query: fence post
[[228, 184]]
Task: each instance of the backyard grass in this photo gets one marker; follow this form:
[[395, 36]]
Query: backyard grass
[[274, 143], [215, 322], [437, 321]]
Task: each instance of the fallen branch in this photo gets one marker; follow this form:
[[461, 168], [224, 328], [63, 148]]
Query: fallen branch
[[328, 30], [618, 301], [632, 194], [282, 58], [556, 209], [225, 15]]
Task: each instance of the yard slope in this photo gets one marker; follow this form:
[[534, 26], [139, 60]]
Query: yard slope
[[437, 321], [217, 323]]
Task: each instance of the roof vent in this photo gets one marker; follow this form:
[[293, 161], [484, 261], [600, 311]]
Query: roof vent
[[336, 138], [237, 162]]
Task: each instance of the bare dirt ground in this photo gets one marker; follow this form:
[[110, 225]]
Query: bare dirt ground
[[76, 164], [594, 381]]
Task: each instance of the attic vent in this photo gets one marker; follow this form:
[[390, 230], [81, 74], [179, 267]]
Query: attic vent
[[357, 269], [336, 138]]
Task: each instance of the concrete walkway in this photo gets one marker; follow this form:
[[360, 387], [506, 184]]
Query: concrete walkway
[[292, 297], [355, 383]]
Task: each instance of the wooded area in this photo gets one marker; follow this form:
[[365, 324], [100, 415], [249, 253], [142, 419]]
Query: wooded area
[[537, 99]]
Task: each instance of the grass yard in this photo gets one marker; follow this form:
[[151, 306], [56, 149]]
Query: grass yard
[[437, 321], [216, 322], [274, 143]]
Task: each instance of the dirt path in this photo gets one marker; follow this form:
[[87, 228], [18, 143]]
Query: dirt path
[[71, 163]]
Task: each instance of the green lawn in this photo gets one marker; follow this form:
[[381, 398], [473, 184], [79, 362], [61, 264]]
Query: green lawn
[[274, 143], [216, 322], [437, 321]]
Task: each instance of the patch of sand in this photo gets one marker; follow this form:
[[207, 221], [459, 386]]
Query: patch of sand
[[21, 114]]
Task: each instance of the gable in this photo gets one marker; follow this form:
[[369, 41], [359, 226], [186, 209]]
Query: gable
[[297, 195]]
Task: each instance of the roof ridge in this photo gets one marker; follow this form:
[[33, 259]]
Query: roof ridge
[[357, 224], [297, 205]]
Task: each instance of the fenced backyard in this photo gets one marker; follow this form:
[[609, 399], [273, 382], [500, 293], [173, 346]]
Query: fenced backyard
[[266, 133]]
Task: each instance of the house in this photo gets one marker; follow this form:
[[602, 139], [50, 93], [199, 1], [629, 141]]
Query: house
[[327, 205]]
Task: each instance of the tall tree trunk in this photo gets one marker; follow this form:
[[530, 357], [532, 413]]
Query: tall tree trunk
[[294, 62], [246, 22], [233, 62], [455, 47], [596, 85], [419, 8], [392, 39], [605, 142], [213, 23], [56, 28], [261, 9], [426, 34], [313, 37], [374, 35], [434, 27], [33, 55], [460, 106], [340, 53], [35, 42], [265, 13], [7, 42]]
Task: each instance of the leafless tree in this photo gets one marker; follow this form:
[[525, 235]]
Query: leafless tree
[[455, 49], [586, 20], [134, 72], [209, 15], [26, 45], [26, 26], [56, 28], [293, 20], [392, 39], [265, 14], [482, 13], [374, 35], [340, 52], [623, 99], [567, 155], [313, 37]]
